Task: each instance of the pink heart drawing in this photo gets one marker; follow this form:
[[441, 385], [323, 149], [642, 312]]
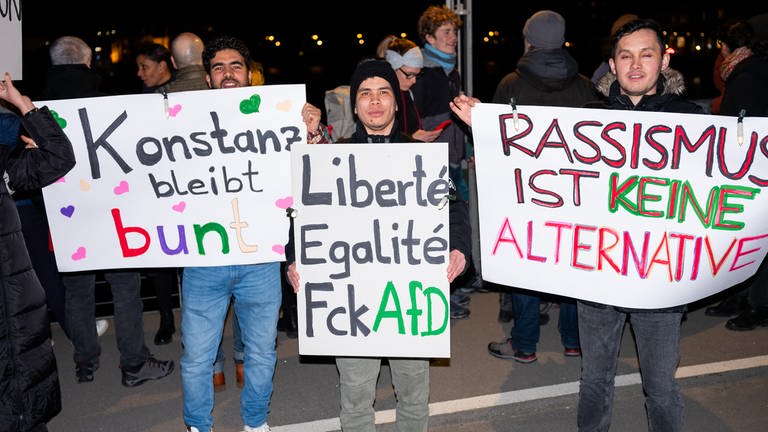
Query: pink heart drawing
[[80, 254], [172, 111], [68, 210], [278, 248], [61, 180], [121, 188], [284, 203], [179, 207]]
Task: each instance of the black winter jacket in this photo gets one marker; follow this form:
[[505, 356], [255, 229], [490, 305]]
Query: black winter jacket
[[29, 383]]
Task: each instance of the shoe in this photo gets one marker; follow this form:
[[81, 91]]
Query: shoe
[[572, 352], [288, 325], [460, 299], [194, 429], [750, 319], [166, 330], [731, 306], [458, 311], [84, 371], [505, 350], [543, 318], [151, 369], [219, 382], [506, 316], [263, 428], [102, 326], [239, 374]]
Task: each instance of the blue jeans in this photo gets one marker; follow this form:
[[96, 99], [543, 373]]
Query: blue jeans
[[526, 331], [357, 382], [80, 303], [657, 337], [238, 353], [206, 293]]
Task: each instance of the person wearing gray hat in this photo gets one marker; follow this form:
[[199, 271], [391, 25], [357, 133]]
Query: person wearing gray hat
[[546, 75]]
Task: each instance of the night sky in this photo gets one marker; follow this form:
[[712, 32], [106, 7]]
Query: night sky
[[322, 68]]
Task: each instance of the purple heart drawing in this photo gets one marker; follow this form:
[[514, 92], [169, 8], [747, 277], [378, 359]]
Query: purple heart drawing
[[68, 210], [279, 249], [121, 188], [284, 203]]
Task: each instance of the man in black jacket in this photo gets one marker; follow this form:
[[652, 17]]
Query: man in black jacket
[[372, 93]]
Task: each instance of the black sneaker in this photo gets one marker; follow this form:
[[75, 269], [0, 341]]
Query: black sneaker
[[151, 369], [84, 371], [749, 320], [729, 307], [458, 311], [505, 350]]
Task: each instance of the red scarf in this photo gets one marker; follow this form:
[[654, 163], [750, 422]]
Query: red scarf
[[734, 58]]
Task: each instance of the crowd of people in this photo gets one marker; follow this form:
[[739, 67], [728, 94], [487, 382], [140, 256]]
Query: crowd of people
[[406, 92]]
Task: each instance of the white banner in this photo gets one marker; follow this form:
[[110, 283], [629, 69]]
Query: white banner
[[371, 249], [199, 179], [634, 209], [10, 38]]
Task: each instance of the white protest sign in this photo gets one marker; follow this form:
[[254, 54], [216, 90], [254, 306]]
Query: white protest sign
[[371, 249], [634, 209], [10, 38], [201, 180]]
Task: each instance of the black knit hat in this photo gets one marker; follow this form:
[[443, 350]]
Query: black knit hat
[[369, 69]]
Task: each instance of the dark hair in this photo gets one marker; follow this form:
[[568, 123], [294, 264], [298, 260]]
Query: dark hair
[[636, 25], [225, 42], [157, 53], [737, 34]]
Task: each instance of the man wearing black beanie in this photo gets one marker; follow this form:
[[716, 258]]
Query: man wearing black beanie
[[372, 96]]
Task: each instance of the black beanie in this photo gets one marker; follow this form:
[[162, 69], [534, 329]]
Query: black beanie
[[373, 68]]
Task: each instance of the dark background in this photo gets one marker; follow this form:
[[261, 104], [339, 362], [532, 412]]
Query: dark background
[[123, 26]]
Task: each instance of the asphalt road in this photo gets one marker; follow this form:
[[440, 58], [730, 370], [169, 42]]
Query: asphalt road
[[723, 375]]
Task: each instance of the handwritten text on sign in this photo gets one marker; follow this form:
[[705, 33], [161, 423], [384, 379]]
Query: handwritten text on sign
[[202, 180], [628, 208], [372, 249]]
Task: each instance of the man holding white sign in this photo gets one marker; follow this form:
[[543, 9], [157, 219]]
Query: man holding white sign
[[372, 91], [640, 80]]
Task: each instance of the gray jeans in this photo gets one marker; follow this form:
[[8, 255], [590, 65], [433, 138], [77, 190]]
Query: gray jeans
[[357, 379], [657, 337]]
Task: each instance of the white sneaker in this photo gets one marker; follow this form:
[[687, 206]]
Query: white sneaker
[[262, 428], [101, 326]]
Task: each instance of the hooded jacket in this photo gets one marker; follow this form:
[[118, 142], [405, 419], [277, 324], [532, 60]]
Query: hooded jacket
[[29, 383], [546, 77]]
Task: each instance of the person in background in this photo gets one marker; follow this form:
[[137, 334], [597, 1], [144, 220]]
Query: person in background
[[136, 363], [155, 68], [187, 59], [439, 83], [546, 75], [374, 86], [257, 73], [744, 73], [69, 69], [30, 395]]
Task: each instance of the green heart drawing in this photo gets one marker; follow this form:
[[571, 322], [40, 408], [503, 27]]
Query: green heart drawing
[[248, 106], [62, 123]]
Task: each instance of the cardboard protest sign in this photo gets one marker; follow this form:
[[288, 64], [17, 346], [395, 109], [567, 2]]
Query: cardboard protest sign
[[10, 38], [199, 179], [371, 234], [634, 209]]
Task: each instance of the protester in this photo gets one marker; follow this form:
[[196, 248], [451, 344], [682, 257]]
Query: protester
[[29, 389], [373, 87]]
